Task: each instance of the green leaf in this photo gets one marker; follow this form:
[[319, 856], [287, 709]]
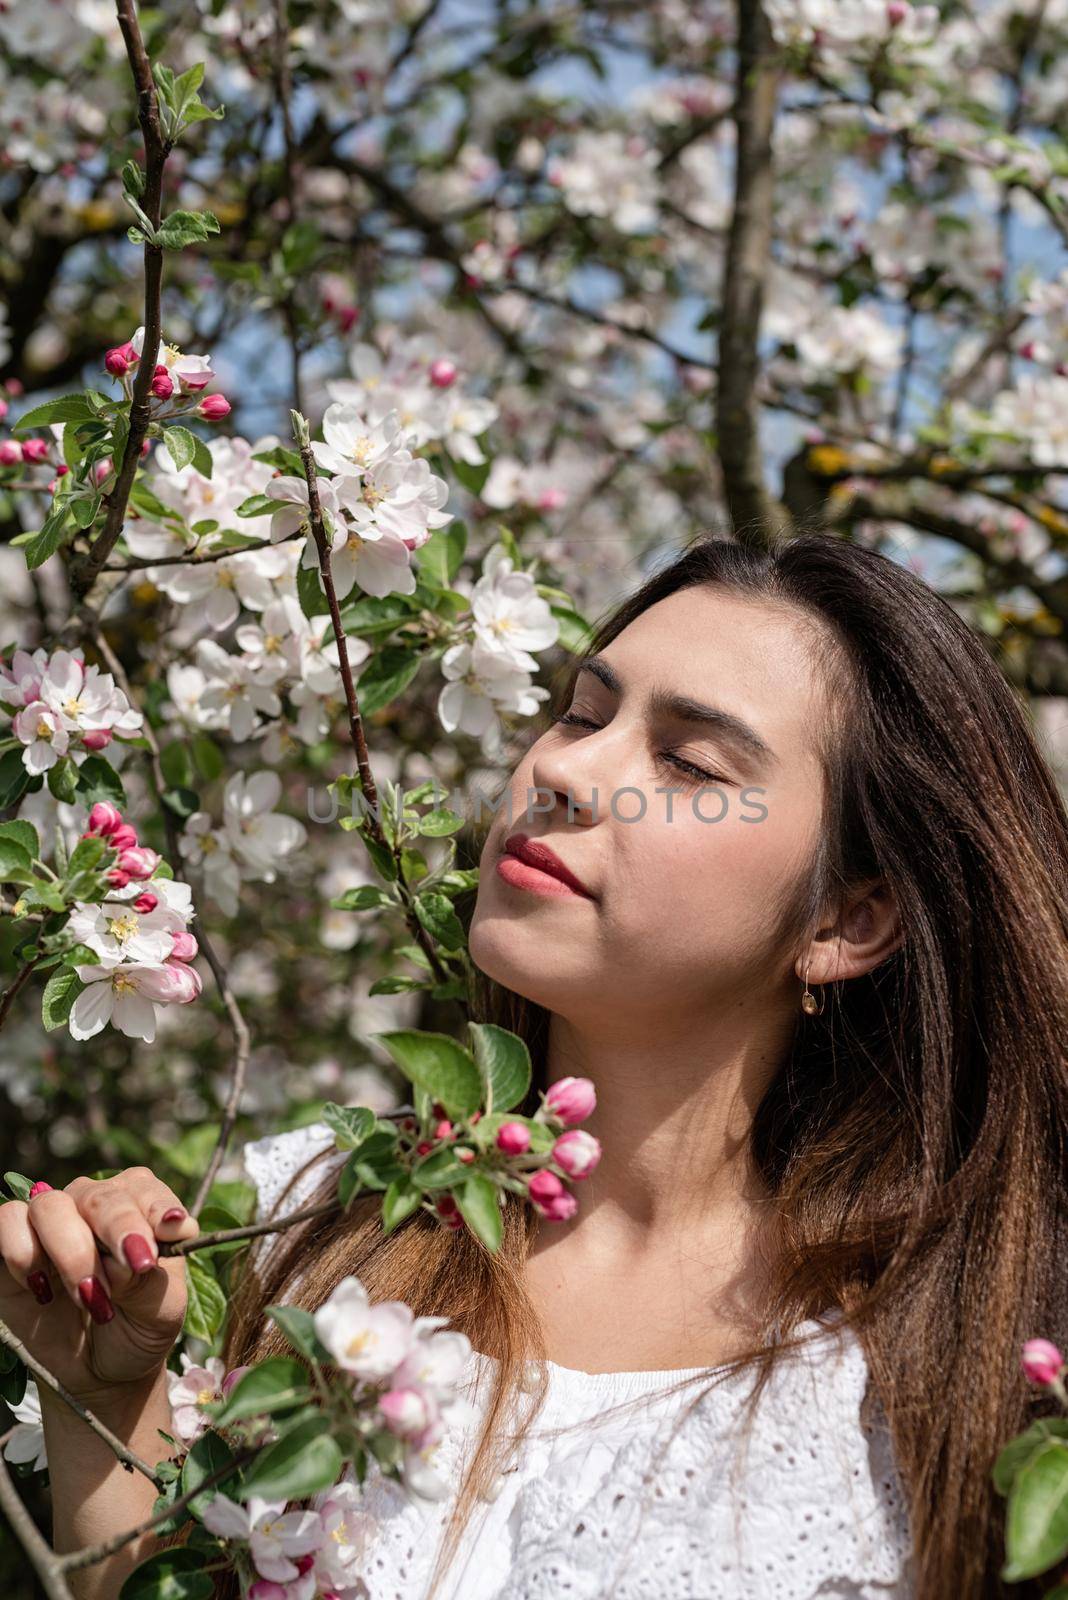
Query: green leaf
[[1036, 1523], [207, 756], [68, 408], [206, 1304], [472, 478], [437, 916], [187, 227], [203, 460], [399, 1201], [504, 1062], [181, 444], [176, 1574], [14, 857], [276, 1384], [183, 802], [395, 984], [98, 780], [301, 1463], [207, 1455], [365, 898], [176, 764], [14, 779], [133, 179], [436, 1063], [1019, 1451], [439, 1170], [477, 1200], [54, 532], [88, 853], [574, 631], [298, 1326], [60, 993], [257, 505], [84, 510], [63, 780], [439, 559], [351, 1124], [310, 593], [386, 675], [436, 824], [19, 1185]]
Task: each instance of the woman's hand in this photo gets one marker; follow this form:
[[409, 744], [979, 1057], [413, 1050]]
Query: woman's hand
[[82, 1283]]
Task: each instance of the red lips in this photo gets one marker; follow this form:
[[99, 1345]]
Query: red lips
[[536, 854]]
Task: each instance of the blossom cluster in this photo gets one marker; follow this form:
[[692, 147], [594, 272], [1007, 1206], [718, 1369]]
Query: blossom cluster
[[252, 842], [139, 934], [489, 669], [177, 377], [60, 707]]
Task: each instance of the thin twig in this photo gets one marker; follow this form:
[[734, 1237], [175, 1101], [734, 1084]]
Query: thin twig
[[43, 1558], [7, 999], [204, 1241], [84, 573]]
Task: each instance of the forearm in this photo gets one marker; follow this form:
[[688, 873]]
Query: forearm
[[94, 1497]]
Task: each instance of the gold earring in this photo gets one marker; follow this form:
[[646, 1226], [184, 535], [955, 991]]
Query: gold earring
[[809, 1003]]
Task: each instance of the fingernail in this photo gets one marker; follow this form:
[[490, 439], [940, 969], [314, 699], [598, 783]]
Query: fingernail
[[175, 1214], [96, 1300], [40, 1287], [138, 1253]]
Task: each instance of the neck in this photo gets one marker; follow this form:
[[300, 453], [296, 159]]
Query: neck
[[673, 1116]]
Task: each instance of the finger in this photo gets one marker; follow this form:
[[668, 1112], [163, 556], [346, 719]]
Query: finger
[[167, 1215], [22, 1254], [122, 1231], [68, 1242]]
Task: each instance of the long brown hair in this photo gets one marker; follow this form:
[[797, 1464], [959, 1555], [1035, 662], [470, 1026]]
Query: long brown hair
[[914, 1137]]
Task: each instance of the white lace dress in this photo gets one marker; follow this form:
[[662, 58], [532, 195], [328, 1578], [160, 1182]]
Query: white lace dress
[[812, 1509]]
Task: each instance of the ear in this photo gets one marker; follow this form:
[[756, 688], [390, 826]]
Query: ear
[[867, 930]]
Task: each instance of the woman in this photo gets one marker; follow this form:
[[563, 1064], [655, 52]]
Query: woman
[[821, 989]]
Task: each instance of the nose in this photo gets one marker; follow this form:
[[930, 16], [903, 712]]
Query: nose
[[571, 778]]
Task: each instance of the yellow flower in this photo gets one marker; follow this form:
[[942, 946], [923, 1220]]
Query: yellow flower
[[827, 460]]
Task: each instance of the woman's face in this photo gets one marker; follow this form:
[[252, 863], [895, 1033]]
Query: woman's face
[[685, 889]]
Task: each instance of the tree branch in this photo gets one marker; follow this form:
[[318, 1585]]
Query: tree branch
[[43, 1558]]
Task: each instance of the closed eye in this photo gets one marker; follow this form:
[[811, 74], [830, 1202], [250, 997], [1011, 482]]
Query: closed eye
[[666, 757]]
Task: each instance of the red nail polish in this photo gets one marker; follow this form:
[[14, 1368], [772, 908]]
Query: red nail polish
[[138, 1253], [40, 1287], [175, 1214], [96, 1300]]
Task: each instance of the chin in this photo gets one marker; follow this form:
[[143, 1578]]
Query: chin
[[501, 948]]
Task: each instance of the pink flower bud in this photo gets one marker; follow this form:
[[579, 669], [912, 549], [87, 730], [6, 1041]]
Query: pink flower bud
[[445, 1205], [124, 837], [146, 445], [162, 384], [35, 450], [443, 373], [513, 1138], [40, 1187], [552, 499], [105, 818], [4, 408], [102, 469], [233, 1376], [305, 1564], [1027, 350], [267, 1589], [405, 1411], [117, 878], [347, 317], [184, 947], [577, 1152], [97, 738], [549, 1196], [214, 407], [146, 902], [14, 386], [139, 861], [571, 1100], [10, 452], [896, 12], [1041, 1361], [117, 362], [464, 1155], [442, 1129]]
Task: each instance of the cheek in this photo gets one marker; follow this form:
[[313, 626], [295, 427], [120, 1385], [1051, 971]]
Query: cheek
[[693, 883]]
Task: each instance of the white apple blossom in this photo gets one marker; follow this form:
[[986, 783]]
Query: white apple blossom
[[41, 729], [347, 1528], [210, 851], [848, 339], [274, 1535], [21, 682], [86, 699], [510, 617], [261, 838], [235, 687], [25, 1444], [370, 1341], [192, 372], [118, 932], [482, 681], [612, 175], [189, 1391], [378, 562], [186, 684], [127, 996], [352, 444], [272, 646]]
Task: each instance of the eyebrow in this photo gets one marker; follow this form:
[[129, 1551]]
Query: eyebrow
[[683, 708]]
